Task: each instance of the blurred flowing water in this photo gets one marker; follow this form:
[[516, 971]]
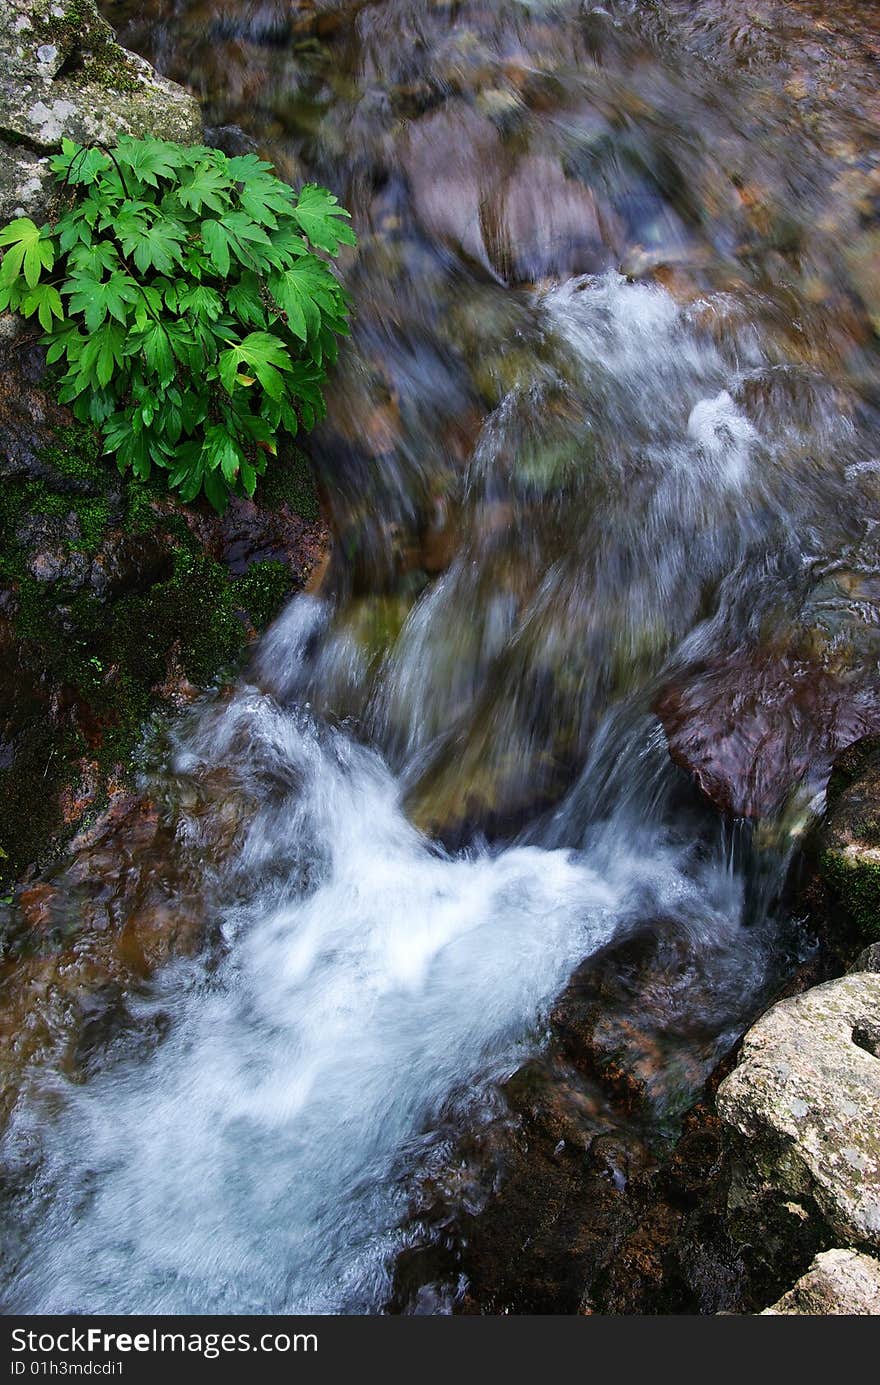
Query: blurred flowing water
[[601, 462]]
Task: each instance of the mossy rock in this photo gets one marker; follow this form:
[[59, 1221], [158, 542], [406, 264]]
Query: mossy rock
[[66, 77], [110, 610], [849, 842]]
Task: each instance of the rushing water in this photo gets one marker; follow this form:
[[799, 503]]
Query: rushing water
[[604, 431]]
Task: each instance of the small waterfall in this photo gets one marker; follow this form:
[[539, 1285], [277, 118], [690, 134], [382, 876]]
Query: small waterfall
[[451, 775], [254, 1162]]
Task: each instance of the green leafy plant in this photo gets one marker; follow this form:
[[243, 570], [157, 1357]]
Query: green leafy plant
[[183, 301]]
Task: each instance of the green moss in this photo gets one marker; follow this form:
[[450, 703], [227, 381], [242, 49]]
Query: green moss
[[35, 498], [852, 764], [103, 658], [98, 661], [290, 481], [192, 613], [79, 30], [856, 880], [29, 795], [94, 517], [262, 589], [109, 660], [75, 460], [77, 453], [140, 507]]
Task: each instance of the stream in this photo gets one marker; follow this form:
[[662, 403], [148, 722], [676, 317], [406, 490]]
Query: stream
[[604, 602]]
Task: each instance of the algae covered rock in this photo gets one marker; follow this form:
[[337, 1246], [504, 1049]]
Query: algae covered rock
[[839, 1283], [64, 76], [805, 1100]]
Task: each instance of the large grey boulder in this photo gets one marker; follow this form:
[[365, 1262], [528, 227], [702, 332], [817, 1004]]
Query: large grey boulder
[[805, 1105], [63, 75], [839, 1283]]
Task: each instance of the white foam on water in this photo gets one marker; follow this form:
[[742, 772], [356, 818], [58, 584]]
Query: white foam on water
[[247, 1166], [725, 434]]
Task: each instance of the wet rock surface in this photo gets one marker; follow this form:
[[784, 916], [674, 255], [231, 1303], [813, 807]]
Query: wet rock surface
[[82, 941], [601, 1183], [753, 726]]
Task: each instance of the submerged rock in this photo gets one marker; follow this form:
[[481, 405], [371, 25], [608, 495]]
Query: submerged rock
[[64, 76], [805, 1102], [521, 218], [838, 1283]]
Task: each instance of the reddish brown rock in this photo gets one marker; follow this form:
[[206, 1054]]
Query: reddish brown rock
[[130, 896], [748, 731]]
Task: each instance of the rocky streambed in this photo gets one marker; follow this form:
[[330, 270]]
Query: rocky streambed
[[531, 866]]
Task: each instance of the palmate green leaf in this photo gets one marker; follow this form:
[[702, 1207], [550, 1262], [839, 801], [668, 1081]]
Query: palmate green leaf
[[257, 428], [28, 250], [188, 350], [94, 299], [131, 217], [322, 219], [148, 307], [93, 257], [245, 300], [290, 291], [305, 292], [216, 489], [187, 464], [198, 319], [169, 417], [264, 355], [94, 360], [155, 344], [305, 383], [107, 346], [264, 198], [73, 228], [218, 244], [131, 449], [77, 164], [244, 167], [149, 159], [201, 300], [207, 185], [221, 449], [45, 301], [248, 476], [11, 295], [286, 244], [154, 244], [66, 340], [237, 235]]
